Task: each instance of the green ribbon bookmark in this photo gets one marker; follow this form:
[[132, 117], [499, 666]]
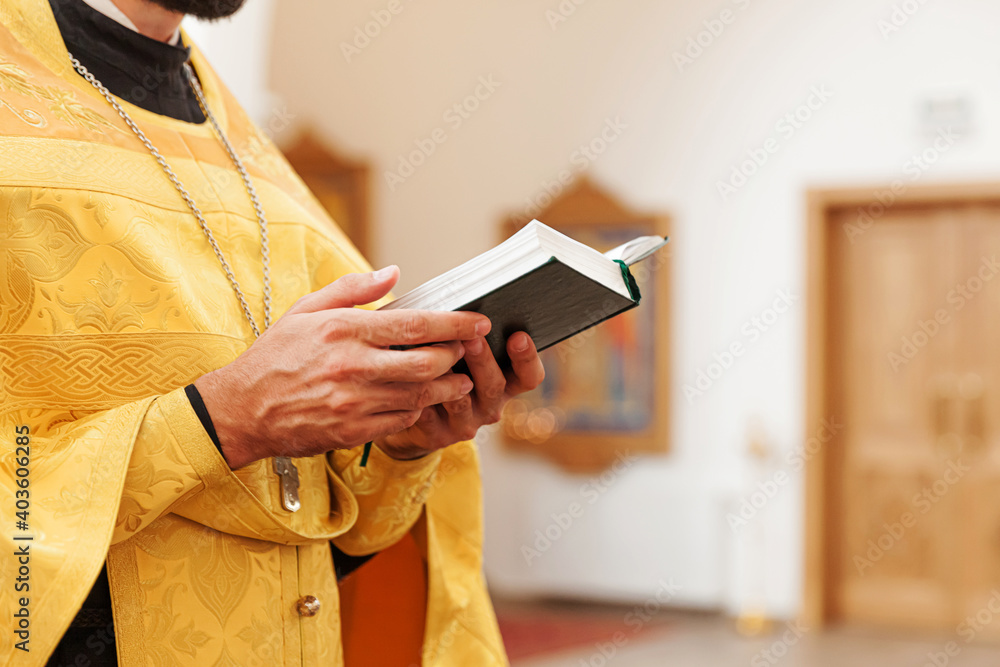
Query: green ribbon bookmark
[[633, 287], [633, 291], [364, 455]]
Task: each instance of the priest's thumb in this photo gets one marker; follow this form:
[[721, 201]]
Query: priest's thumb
[[354, 289]]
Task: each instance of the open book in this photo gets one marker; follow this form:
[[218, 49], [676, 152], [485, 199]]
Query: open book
[[538, 281]]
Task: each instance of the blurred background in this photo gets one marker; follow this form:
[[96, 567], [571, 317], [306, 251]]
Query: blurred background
[[790, 453]]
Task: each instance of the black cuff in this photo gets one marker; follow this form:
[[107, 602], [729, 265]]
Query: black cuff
[[194, 397], [344, 564]]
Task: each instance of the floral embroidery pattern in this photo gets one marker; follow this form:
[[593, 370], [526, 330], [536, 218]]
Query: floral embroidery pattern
[[61, 101]]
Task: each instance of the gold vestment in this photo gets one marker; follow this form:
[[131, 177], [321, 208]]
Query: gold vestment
[[111, 301]]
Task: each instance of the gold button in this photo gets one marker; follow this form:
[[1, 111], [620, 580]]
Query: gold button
[[307, 606]]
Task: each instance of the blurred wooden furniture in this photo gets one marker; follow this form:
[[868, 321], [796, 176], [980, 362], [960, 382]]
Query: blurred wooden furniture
[[903, 482], [340, 185], [606, 393]]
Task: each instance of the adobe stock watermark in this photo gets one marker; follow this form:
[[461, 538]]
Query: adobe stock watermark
[[703, 40], [967, 630], [771, 655], [752, 504], [913, 169], [635, 620], [752, 330], [900, 15], [922, 502], [255, 146], [371, 30], [957, 298], [435, 647], [643, 273], [973, 624], [454, 117], [561, 522], [784, 129], [580, 160], [563, 11]]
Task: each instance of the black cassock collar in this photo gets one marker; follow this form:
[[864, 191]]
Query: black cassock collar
[[146, 72]]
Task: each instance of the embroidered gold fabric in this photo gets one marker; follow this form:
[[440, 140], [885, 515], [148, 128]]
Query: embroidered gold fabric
[[111, 302]]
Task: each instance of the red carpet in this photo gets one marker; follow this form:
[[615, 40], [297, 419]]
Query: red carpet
[[537, 630]]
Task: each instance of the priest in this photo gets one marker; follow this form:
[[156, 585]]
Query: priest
[[191, 367]]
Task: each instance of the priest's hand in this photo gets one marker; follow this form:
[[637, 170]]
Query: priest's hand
[[323, 377], [460, 419]]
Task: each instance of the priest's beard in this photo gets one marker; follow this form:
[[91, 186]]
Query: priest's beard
[[202, 9]]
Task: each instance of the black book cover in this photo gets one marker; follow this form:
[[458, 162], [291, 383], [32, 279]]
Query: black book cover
[[550, 303]]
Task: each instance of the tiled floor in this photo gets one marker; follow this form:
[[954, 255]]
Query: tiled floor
[[694, 640]]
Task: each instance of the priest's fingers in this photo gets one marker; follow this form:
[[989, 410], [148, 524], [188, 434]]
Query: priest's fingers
[[418, 327], [461, 418], [438, 426], [433, 429], [418, 395], [354, 289], [380, 425], [428, 433], [420, 364], [488, 379], [527, 371]]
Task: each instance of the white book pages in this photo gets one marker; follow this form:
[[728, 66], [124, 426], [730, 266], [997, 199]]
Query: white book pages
[[637, 249], [531, 247]]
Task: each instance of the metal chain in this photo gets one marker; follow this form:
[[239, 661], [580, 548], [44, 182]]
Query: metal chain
[[258, 209], [265, 244]]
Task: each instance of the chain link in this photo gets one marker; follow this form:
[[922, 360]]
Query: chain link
[[283, 466], [265, 250]]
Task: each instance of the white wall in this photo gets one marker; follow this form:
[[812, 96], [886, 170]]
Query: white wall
[[664, 518], [239, 48]]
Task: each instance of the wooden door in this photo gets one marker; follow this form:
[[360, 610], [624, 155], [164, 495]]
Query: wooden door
[[913, 330], [977, 289], [895, 560]]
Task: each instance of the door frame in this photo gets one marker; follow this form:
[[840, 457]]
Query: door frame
[[819, 577]]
